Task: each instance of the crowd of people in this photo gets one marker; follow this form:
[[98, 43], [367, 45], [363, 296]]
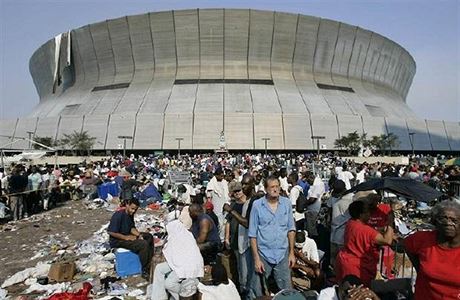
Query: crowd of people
[[260, 224]]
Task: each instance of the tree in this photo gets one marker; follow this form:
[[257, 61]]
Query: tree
[[78, 141], [45, 140], [384, 142], [352, 142]]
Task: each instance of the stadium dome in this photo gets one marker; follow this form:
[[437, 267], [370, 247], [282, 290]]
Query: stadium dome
[[249, 74]]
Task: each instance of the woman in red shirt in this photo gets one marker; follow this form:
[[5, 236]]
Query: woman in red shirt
[[356, 257], [436, 254]]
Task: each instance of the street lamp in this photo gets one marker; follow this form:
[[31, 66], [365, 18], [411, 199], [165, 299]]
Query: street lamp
[[125, 137], [265, 139], [412, 141], [317, 138], [178, 139]]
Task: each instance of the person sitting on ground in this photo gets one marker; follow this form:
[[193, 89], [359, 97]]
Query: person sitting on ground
[[307, 262], [179, 274], [351, 288], [205, 232], [222, 287], [123, 234]]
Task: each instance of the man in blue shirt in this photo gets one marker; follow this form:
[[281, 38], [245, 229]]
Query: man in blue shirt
[[272, 237]]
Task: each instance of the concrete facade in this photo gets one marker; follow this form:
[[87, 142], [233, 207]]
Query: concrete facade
[[252, 74]]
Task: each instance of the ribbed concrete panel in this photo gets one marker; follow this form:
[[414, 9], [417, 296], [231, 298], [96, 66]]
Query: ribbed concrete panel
[[164, 41], [157, 96], [206, 130], [90, 103], [209, 98], [7, 128], [374, 126], [304, 53], [342, 54], [284, 37], [141, 44], [238, 130], [88, 55], [289, 96], [69, 124], [120, 125], [178, 126], [383, 62], [122, 52], [237, 98], [297, 132], [349, 124], [260, 44], [399, 128], [438, 135], [325, 47], [336, 102], [149, 131], [358, 55], [182, 99], [264, 99], [134, 96], [236, 43], [41, 67], [355, 103], [47, 127], [96, 125], [421, 138], [453, 134], [187, 44], [373, 56], [211, 43], [24, 125], [313, 98], [392, 65], [109, 102], [324, 125], [268, 125], [104, 53]]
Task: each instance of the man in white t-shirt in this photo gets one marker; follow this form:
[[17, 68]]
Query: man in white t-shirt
[[294, 194], [315, 193], [345, 176]]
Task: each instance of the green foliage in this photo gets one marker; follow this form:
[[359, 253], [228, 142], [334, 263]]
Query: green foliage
[[78, 141], [384, 142], [353, 142], [45, 140]]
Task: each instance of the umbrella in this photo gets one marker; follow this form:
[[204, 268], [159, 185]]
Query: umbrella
[[401, 186], [453, 162]]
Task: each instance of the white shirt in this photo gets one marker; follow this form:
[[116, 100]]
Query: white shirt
[[219, 292], [284, 184], [293, 195], [310, 250], [346, 176], [316, 191], [329, 293], [360, 177]]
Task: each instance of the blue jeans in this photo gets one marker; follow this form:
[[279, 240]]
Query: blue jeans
[[245, 269], [281, 272]]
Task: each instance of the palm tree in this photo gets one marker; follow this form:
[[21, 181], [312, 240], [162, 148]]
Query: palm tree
[[78, 141], [45, 140]]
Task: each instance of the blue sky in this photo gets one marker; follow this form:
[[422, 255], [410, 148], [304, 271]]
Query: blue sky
[[428, 29]]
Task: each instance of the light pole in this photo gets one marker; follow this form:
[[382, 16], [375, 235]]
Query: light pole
[[317, 138], [412, 139], [125, 137], [30, 133], [265, 139], [178, 139]]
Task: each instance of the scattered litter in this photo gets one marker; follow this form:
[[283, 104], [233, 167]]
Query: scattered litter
[[3, 293], [48, 289], [41, 269]]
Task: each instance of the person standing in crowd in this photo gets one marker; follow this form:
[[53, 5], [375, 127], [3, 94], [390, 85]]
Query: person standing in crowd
[[436, 254], [123, 234], [345, 176], [272, 237], [205, 232], [315, 193], [17, 184], [357, 257], [126, 192], [284, 182], [35, 180], [295, 192], [217, 188]]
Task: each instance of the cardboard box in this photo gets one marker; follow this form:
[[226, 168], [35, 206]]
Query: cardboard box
[[62, 271]]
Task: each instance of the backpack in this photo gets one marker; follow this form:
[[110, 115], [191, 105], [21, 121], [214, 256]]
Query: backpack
[[301, 202]]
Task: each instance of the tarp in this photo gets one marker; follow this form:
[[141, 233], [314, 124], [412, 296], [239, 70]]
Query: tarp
[[401, 186]]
